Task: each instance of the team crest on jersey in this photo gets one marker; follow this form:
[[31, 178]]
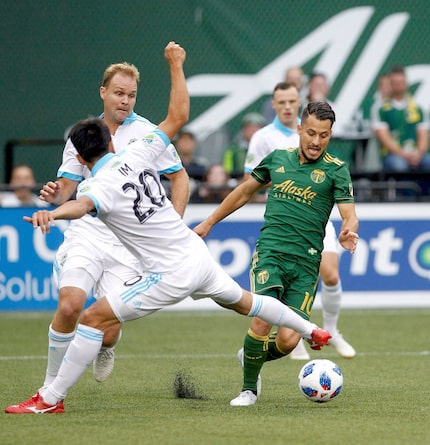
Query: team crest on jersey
[[85, 188], [318, 176], [149, 139], [263, 277]]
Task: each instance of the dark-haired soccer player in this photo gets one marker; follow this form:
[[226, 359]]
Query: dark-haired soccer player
[[305, 183]]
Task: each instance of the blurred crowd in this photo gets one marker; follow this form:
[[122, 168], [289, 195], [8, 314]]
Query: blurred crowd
[[393, 137]]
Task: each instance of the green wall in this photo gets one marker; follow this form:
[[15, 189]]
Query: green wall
[[54, 54]]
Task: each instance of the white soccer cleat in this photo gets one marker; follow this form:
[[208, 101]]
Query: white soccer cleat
[[245, 398], [103, 364], [240, 358], [300, 352], [342, 347]]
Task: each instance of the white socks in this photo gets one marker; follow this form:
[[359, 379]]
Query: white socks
[[331, 301], [80, 354], [57, 347], [276, 313]]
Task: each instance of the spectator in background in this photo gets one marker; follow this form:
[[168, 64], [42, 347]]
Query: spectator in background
[[22, 184], [186, 145], [372, 157], [235, 154], [318, 88], [382, 93], [294, 76], [401, 129], [216, 185]]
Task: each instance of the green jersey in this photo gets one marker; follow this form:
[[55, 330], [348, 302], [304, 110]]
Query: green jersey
[[402, 122], [300, 201]]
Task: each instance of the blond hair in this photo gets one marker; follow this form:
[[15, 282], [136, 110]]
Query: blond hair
[[124, 68]]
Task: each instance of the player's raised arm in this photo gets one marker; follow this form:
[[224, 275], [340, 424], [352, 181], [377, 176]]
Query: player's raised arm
[[179, 104]]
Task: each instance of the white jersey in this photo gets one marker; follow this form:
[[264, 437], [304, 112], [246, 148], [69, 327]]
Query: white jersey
[[132, 129], [130, 200], [267, 139]]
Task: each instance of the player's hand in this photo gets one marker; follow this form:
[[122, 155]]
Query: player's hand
[[203, 229], [43, 219], [50, 192], [348, 240], [174, 54]]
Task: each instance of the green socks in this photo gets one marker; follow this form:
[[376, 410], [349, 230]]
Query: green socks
[[273, 353], [254, 356]]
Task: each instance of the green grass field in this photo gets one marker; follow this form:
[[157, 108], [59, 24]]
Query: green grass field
[[385, 399]]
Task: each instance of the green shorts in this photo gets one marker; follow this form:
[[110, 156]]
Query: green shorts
[[290, 279]]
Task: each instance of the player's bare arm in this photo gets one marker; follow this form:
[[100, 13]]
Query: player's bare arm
[[180, 194], [59, 191], [73, 209], [179, 104], [348, 236], [236, 199]]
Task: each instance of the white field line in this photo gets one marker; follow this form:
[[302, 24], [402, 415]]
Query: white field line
[[212, 356]]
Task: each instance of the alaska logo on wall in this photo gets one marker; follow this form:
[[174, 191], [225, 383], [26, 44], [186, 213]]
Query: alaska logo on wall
[[333, 41]]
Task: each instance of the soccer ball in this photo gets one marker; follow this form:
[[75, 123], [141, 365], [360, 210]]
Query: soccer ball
[[320, 380]]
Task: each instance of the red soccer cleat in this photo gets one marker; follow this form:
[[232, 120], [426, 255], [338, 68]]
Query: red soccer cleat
[[320, 337], [35, 405]]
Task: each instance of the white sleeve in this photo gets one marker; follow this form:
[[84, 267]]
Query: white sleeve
[[145, 152], [257, 150], [169, 161], [70, 167]]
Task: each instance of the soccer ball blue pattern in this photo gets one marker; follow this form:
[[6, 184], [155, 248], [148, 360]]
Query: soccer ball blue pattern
[[320, 380]]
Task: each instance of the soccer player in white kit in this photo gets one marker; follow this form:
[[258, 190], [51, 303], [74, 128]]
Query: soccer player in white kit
[[282, 133], [91, 257], [126, 194]]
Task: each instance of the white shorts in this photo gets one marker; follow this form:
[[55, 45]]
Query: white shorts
[[331, 243], [102, 266], [199, 276]]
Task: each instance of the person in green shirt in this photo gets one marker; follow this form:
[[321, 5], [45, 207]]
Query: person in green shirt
[[234, 156], [305, 183], [401, 128]]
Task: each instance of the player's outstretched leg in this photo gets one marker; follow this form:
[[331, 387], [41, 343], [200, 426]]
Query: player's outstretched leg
[[30, 406]]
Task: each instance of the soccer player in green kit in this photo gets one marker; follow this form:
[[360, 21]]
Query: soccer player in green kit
[[305, 183]]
